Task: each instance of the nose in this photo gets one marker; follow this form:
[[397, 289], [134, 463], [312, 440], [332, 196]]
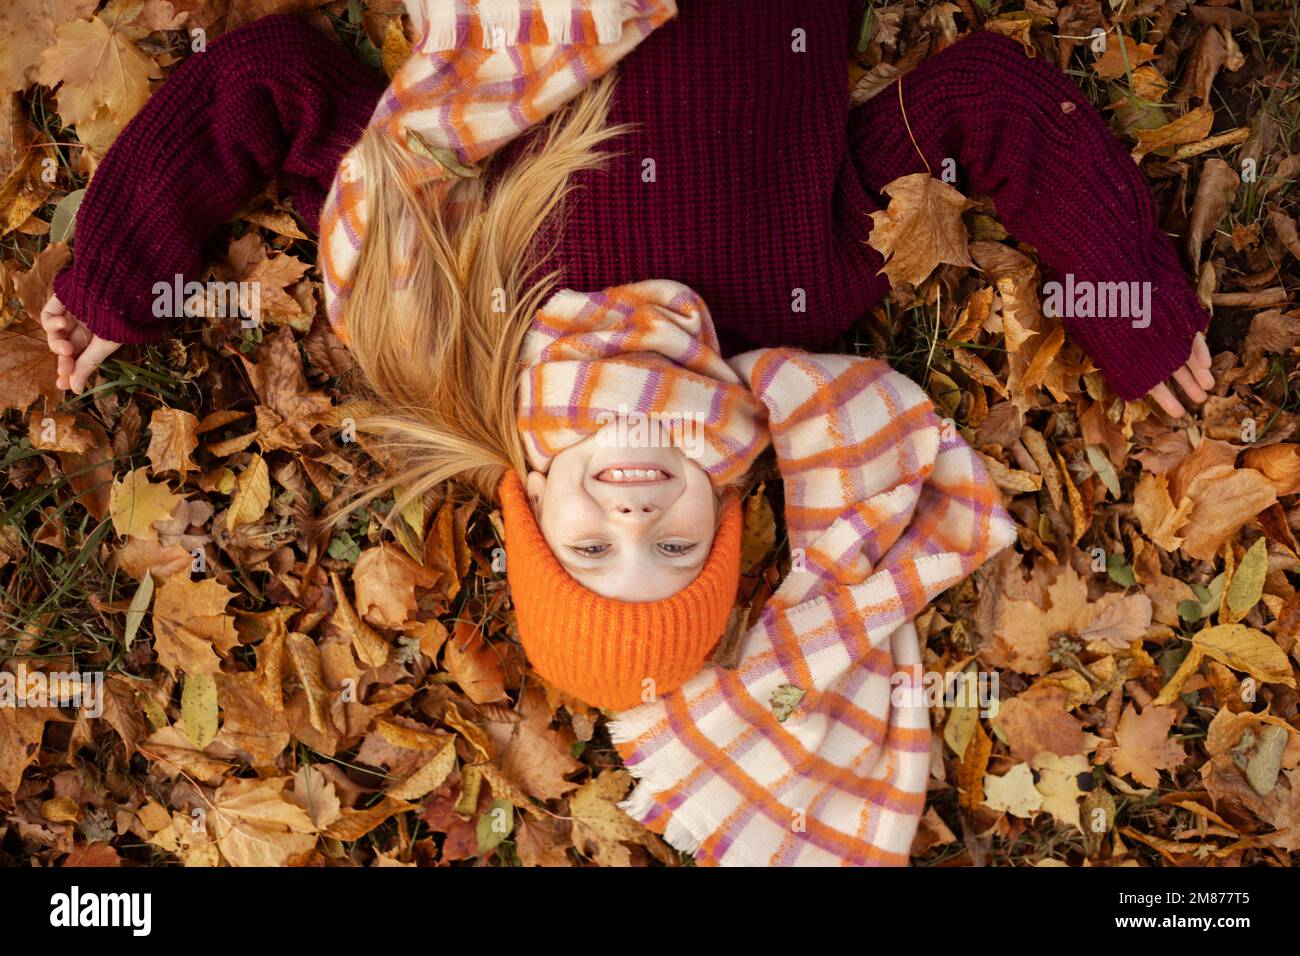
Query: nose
[[634, 512]]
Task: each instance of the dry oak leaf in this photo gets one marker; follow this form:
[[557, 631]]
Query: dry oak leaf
[[135, 503], [475, 665], [386, 581], [255, 825], [173, 436], [1037, 721], [252, 494], [920, 228], [104, 75], [27, 31], [27, 367], [189, 621], [531, 754], [1143, 746], [289, 409], [1058, 782], [600, 827], [1013, 792]]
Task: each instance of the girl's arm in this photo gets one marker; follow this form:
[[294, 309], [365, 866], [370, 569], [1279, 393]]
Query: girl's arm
[[1020, 131], [273, 98]]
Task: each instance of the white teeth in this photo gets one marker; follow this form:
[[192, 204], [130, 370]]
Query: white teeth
[[634, 474]]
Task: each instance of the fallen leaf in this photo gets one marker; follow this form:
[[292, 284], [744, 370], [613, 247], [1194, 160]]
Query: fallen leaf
[[1144, 747], [920, 228]]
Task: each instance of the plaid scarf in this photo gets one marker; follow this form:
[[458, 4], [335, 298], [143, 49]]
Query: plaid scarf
[[642, 359], [801, 755], [480, 73]]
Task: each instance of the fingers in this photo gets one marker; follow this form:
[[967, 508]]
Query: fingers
[[1194, 392], [1163, 397], [52, 307], [63, 376], [57, 323], [90, 359], [1200, 362]]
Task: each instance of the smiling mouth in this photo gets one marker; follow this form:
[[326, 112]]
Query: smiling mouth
[[633, 475]]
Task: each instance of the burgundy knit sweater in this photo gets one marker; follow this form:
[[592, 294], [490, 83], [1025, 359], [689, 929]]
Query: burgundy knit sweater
[[762, 188]]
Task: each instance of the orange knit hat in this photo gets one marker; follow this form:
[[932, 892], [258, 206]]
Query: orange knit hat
[[603, 650]]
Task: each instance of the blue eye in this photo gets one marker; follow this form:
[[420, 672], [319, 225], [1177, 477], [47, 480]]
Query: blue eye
[[676, 550], [589, 550]]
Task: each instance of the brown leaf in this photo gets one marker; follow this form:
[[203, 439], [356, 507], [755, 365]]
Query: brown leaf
[[27, 31], [475, 664], [173, 436], [1144, 747], [1037, 721], [600, 828], [386, 581], [190, 625], [534, 756], [27, 367], [920, 228], [255, 825], [103, 74]]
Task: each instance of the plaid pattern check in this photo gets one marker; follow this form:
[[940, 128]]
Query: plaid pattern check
[[886, 509], [645, 353], [480, 73]]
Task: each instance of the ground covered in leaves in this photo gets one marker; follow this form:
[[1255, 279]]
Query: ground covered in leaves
[[279, 692]]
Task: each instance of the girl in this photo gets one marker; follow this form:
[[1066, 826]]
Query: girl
[[742, 175]]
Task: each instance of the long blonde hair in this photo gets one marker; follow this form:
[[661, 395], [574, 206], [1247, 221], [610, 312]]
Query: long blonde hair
[[439, 354]]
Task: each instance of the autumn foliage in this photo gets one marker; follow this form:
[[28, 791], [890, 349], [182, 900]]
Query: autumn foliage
[[279, 691]]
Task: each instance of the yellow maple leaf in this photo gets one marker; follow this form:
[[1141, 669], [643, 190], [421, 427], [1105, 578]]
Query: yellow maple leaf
[[135, 503]]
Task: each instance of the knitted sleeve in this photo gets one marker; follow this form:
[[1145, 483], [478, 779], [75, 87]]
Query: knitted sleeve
[[1019, 130], [274, 97]]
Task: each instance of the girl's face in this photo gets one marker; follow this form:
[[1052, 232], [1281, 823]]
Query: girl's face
[[634, 524]]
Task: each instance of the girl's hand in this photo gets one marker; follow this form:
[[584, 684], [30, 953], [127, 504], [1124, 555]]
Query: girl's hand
[[79, 350], [1195, 378]]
